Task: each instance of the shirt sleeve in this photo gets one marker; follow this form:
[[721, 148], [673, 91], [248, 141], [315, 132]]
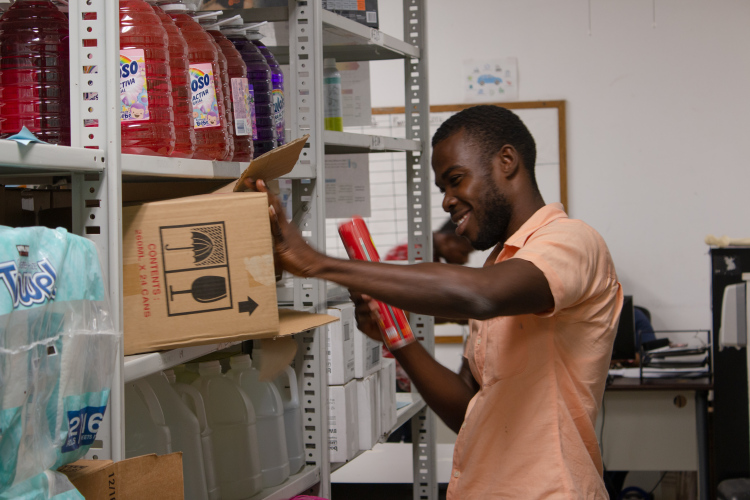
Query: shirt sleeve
[[570, 256]]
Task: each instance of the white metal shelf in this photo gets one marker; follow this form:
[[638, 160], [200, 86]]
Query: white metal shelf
[[348, 143], [403, 415], [161, 166], [295, 485], [17, 159], [347, 40], [141, 365]]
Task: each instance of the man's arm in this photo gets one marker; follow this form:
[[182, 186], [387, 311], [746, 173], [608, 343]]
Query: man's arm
[[447, 393], [512, 287]]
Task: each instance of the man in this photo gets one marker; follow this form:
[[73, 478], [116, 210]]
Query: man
[[543, 311]]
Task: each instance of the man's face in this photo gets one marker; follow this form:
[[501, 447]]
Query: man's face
[[472, 194]]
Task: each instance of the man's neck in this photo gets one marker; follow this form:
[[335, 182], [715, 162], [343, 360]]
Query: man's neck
[[521, 214]]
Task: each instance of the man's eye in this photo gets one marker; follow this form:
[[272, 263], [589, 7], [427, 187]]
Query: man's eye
[[455, 180]]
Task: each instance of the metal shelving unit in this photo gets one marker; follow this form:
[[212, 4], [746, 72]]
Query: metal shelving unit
[[97, 169]]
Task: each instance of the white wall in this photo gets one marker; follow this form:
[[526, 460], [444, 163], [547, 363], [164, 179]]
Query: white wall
[[658, 121]]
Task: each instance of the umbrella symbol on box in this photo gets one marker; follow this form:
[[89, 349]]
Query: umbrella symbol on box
[[204, 289], [203, 246]]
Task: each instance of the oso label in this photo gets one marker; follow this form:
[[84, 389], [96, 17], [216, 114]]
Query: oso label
[[133, 86], [203, 96]]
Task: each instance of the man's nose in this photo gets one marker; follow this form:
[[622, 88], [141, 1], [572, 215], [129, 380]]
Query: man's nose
[[448, 202]]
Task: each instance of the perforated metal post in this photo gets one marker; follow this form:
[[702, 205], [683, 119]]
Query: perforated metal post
[[95, 124], [420, 228], [305, 98]]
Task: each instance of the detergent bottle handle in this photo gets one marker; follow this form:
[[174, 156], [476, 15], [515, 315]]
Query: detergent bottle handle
[[152, 402], [190, 392], [293, 385]]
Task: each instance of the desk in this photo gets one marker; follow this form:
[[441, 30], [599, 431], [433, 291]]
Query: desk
[[657, 424]]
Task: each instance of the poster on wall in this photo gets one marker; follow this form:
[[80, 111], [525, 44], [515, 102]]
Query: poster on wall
[[491, 80], [347, 186]]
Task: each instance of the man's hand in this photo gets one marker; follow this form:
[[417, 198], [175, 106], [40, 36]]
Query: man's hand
[[367, 313], [294, 254]]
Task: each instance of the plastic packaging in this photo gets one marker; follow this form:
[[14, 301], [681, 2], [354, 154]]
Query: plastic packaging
[[33, 95], [58, 350], [393, 323], [269, 414], [194, 400], [286, 383], [179, 67], [231, 416], [259, 76], [211, 138], [333, 110], [147, 116], [205, 20], [185, 431], [277, 81], [239, 91]]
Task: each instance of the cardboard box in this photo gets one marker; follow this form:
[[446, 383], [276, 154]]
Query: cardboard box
[[142, 478], [387, 395], [199, 269], [341, 344], [362, 11], [368, 409], [366, 355], [343, 434]]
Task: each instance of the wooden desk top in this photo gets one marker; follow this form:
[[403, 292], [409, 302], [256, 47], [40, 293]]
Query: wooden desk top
[[661, 384]]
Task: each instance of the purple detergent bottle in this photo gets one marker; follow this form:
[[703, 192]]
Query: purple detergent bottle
[[259, 76], [277, 79]]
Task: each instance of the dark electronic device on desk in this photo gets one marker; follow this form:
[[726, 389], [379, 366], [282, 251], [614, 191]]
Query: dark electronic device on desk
[[624, 348]]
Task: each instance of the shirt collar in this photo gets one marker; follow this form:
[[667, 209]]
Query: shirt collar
[[541, 218]]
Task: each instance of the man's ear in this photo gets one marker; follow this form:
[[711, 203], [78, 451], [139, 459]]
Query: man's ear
[[507, 161]]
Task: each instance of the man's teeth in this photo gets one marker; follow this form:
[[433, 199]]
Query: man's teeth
[[462, 219]]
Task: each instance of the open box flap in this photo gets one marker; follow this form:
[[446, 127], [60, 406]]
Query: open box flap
[[269, 166], [291, 321]]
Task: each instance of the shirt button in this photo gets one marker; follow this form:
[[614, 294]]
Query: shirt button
[[456, 474], [479, 340]]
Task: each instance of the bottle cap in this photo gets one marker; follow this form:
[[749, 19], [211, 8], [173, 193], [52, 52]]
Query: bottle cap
[[175, 7], [209, 368], [329, 63], [253, 30], [241, 361]]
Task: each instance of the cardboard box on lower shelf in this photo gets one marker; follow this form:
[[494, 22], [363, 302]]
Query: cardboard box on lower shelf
[[343, 421], [149, 477], [200, 269], [341, 344]]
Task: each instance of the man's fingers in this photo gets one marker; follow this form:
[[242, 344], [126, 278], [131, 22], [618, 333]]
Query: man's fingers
[[250, 184]]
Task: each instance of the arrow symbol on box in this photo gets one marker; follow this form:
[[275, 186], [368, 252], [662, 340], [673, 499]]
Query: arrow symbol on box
[[248, 306]]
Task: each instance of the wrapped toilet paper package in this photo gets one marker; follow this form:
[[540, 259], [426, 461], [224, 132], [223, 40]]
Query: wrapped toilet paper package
[[359, 246], [58, 352]]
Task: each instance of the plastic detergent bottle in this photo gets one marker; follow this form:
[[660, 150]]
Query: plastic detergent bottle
[[145, 428], [277, 81], [185, 432], [147, 117], [193, 399], [231, 416], [211, 138], [269, 412], [334, 112], [286, 383], [180, 79], [240, 90], [206, 19], [34, 95], [259, 76]]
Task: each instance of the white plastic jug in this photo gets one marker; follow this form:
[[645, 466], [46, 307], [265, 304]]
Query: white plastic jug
[[186, 435], [286, 383], [146, 431], [194, 401], [269, 414], [231, 416]]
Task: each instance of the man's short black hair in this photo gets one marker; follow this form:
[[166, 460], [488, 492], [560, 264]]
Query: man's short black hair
[[490, 128]]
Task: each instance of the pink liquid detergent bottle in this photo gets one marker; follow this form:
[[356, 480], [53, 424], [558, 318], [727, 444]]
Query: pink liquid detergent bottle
[[242, 102], [34, 71], [147, 117], [179, 67], [207, 97]]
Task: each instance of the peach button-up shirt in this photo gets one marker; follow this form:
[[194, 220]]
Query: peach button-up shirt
[[529, 432]]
